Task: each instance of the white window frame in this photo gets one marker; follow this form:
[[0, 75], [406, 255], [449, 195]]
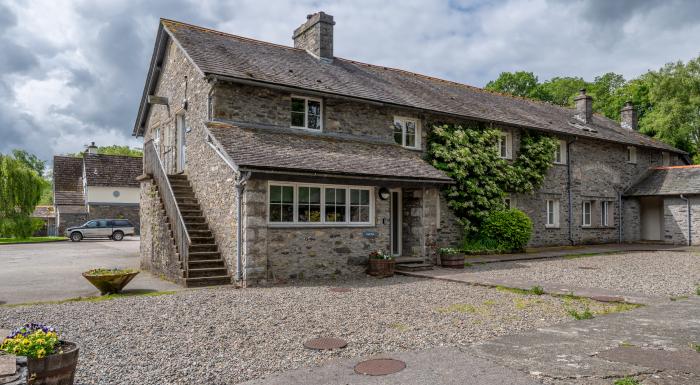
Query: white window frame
[[156, 138], [631, 154], [555, 213], [583, 213], [322, 223], [306, 113], [561, 152], [665, 159], [401, 120], [509, 201], [605, 213], [509, 145]]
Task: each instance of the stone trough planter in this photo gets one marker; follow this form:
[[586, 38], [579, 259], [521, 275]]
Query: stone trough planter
[[110, 281]]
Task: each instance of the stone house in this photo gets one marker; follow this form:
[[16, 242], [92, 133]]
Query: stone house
[[267, 162], [95, 186]]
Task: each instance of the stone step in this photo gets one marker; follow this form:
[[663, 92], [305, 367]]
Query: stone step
[[196, 226], [187, 206], [177, 177], [203, 247], [208, 281], [201, 240], [190, 212], [413, 266], [194, 218], [199, 233], [409, 260], [207, 264], [204, 255], [206, 272], [186, 200]]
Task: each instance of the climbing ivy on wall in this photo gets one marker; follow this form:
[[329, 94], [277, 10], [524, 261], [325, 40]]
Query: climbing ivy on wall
[[469, 154]]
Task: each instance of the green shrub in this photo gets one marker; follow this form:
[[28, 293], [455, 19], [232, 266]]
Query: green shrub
[[482, 246], [585, 314], [510, 228], [19, 226]]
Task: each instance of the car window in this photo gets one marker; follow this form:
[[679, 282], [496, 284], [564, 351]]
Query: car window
[[122, 223], [102, 224], [91, 224]]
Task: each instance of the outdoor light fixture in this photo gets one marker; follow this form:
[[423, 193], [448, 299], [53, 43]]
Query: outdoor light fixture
[[384, 193]]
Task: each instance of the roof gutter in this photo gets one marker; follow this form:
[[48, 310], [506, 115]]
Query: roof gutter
[[358, 176], [275, 86]]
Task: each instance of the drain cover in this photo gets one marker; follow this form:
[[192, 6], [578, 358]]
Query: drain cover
[[340, 289], [380, 367], [325, 343], [607, 298]]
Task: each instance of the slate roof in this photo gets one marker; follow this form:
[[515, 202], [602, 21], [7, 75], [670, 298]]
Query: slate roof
[[68, 180], [112, 170], [299, 151], [674, 180], [225, 55]]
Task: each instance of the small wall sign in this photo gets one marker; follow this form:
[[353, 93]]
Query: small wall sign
[[370, 234]]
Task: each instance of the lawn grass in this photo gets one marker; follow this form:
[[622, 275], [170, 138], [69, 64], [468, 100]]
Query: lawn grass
[[626, 381], [108, 297], [10, 241]]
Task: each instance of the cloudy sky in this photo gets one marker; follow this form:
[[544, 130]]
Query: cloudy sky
[[72, 71]]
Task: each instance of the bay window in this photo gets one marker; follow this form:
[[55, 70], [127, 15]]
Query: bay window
[[313, 204]]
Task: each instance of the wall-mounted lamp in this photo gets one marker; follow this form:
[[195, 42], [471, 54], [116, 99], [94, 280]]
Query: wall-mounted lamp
[[384, 193]]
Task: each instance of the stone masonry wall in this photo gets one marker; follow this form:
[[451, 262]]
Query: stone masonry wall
[[130, 212], [631, 220], [68, 220], [676, 220], [158, 251], [599, 169]]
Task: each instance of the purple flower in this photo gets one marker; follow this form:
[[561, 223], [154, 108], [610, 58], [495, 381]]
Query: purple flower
[[30, 328]]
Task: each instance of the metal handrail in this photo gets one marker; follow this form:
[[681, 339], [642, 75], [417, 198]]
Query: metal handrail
[[154, 166]]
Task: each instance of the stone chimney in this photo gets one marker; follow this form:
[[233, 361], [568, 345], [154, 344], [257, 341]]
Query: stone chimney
[[584, 107], [316, 35], [628, 116], [92, 149]]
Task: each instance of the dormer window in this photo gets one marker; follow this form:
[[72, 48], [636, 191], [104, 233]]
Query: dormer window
[[306, 113], [407, 132]]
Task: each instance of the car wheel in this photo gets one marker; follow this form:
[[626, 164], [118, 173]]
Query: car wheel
[[76, 237], [117, 236]]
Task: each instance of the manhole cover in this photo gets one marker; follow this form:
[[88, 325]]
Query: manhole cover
[[380, 367], [340, 289], [607, 298], [588, 268], [325, 343]]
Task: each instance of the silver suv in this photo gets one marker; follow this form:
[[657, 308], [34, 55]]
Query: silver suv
[[114, 229]]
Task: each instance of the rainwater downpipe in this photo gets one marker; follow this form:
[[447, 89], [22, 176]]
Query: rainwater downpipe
[[690, 225], [619, 217], [240, 189], [568, 189]]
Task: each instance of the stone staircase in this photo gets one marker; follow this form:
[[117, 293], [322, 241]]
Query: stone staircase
[[412, 264], [205, 266]]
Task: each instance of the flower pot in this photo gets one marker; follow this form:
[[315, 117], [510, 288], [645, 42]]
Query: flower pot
[[452, 261], [381, 267], [110, 283], [54, 369]]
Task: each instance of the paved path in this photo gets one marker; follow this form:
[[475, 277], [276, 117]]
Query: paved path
[[51, 271], [433, 366], [464, 276], [556, 252], [651, 342]]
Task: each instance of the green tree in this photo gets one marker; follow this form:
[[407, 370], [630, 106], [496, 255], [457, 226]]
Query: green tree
[[114, 150], [561, 90], [20, 191], [518, 83], [30, 160]]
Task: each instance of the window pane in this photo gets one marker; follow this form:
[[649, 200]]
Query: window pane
[[364, 197], [275, 194], [275, 213], [315, 213], [287, 213], [355, 214], [330, 195], [354, 197], [314, 108], [288, 194], [340, 213], [364, 214], [340, 196], [297, 119], [398, 133], [315, 195], [410, 140], [330, 214], [298, 106], [303, 195], [314, 122], [503, 146]]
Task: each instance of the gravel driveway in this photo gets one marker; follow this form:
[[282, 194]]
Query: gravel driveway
[[225, 335], [653, 273]]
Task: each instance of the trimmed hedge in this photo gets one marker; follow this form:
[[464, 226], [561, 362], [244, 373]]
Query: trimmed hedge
[[511, 228]]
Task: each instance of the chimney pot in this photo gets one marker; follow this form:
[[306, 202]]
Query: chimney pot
[[316, 35], [628, 116], [584, 107]]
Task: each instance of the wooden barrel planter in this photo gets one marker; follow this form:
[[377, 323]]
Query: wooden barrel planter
[[452, 261], [381, 267], [54, 369]]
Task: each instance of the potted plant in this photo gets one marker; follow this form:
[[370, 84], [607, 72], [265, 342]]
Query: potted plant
[[451, 258], [49, 360], [110, 281], [380, 264]]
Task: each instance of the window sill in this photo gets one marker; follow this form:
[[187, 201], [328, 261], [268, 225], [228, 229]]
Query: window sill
[[307, 129], [598, 227], [317, 225], [559, 164], [554, 227]]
